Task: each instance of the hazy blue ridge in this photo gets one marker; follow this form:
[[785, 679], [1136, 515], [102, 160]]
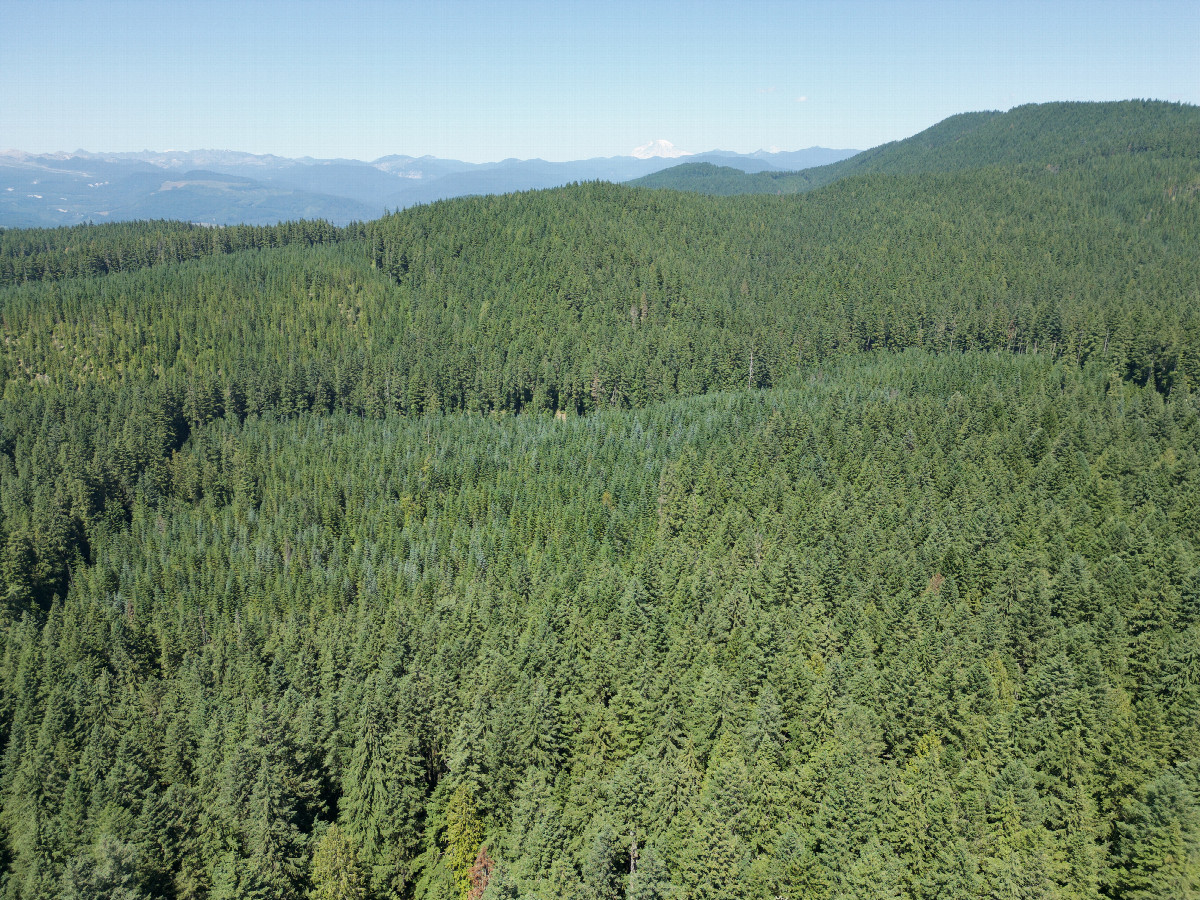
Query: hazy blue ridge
[[240, 188]]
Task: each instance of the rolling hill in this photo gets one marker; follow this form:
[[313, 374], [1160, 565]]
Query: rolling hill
[[1054, 135], [722, 181]]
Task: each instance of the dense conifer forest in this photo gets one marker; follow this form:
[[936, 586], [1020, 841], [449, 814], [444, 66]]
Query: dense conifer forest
[[611, 542]]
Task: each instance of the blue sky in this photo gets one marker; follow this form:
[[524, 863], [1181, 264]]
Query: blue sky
[[560, 80]]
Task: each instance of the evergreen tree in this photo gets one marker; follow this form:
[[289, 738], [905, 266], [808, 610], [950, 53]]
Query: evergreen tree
[[336, 872]]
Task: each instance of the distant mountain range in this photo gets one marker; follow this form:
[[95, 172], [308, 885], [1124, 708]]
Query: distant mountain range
[[227, 187]]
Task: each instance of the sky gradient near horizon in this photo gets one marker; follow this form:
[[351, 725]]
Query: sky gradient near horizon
[[560, 80]]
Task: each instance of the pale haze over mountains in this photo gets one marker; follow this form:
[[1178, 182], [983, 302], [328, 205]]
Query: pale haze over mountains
[[222, 187]]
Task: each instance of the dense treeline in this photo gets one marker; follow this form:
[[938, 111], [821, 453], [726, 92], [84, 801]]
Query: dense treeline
[[844, 546], [913, 627], [723, 181], [50, 254], [1051, 135], [1054, 135], [600, 295]]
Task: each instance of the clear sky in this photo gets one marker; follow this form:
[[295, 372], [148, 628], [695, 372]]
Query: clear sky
[[560, 80]]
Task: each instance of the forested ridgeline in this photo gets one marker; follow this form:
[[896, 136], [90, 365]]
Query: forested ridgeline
[[724, 181], [914, 626], [1056, 135], [51, 254], [1047, 135], [598, 295]]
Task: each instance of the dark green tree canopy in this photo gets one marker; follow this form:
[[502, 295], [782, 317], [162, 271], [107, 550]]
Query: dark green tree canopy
[[613, 542]]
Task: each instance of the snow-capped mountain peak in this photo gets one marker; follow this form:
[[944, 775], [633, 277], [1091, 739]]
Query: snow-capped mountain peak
[[659, 148]]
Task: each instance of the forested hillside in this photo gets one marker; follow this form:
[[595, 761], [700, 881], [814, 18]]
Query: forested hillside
[[609, 542], [51, 254], [600, 295], [723, 181], [1049, 134]]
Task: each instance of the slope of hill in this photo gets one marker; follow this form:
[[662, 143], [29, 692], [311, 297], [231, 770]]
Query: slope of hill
[[1051, 135], [1048, 134], [721, 181], [600, 294]]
